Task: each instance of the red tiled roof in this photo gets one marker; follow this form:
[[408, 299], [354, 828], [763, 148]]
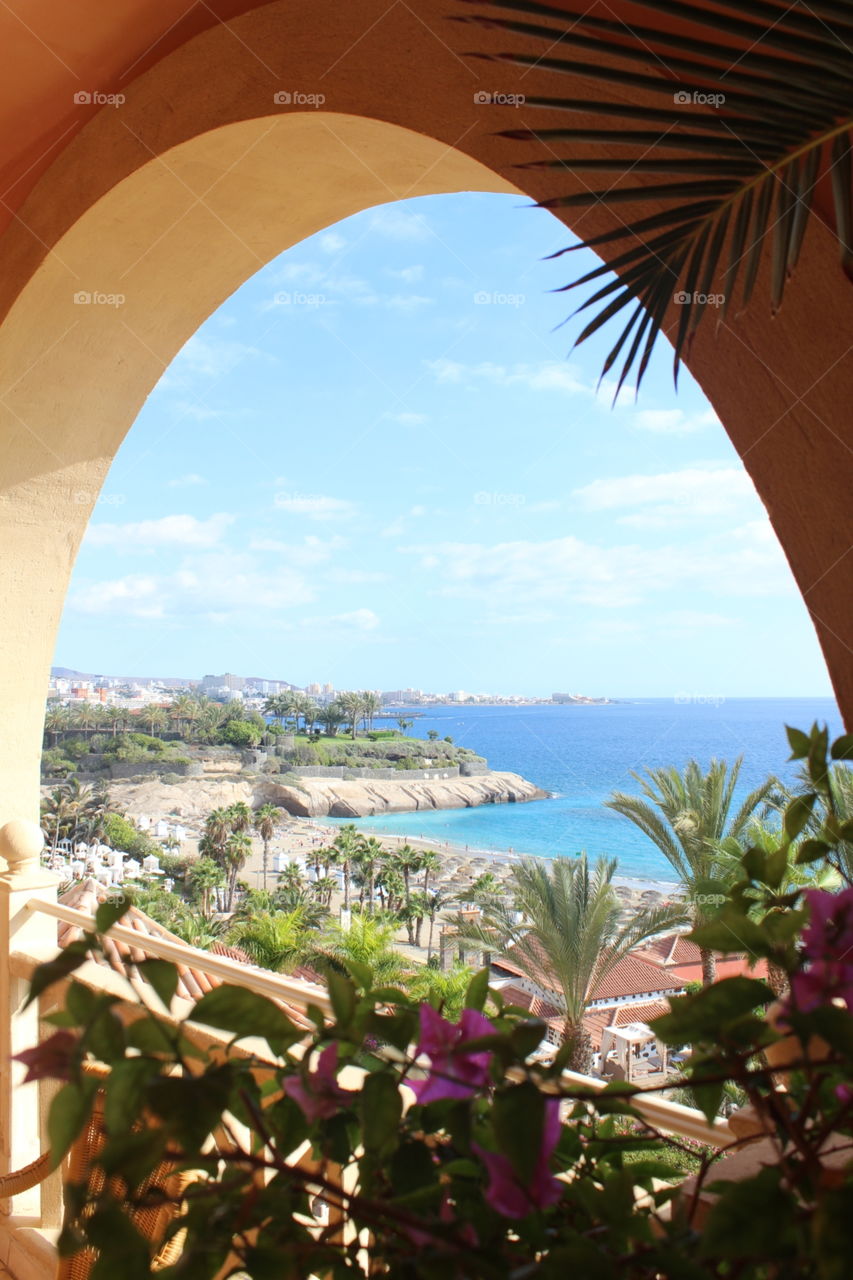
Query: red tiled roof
[[87, 895], [683, 959], [535, 1005], [595, 1020], [633, 976]]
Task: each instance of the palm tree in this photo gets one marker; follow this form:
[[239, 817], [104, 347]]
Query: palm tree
[[371, 704], [444, 989], [155, 717], [198, 930], [267, 818], [333, 716], [408, 861], [277, 942], [686, 814], [368, 941], [353, 708], [349, 843], [563, 929], [238, 850], [430, 861], [206, 877], [117, 717], [57, 719], [432, 904], [368, 857], [744, 176]]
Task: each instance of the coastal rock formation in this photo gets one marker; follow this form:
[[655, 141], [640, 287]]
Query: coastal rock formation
[[331, 797]]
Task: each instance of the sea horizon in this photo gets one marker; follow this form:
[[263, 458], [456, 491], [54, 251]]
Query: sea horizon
[[580, 753]]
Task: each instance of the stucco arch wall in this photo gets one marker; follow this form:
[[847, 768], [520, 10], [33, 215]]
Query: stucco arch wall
[[84, 371], [141, 200]]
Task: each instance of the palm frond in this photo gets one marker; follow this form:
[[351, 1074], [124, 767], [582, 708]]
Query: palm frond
[[746, 111]]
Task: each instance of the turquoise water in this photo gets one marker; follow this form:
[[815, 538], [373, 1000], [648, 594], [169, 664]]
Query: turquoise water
[[582, 753]]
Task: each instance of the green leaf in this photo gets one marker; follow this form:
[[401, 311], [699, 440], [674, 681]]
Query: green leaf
[[151, 1036], [518, 1115], [343, 997], [163, 977], [478, 991], [798, 813], [713, 1011], [362, 973], [381, 1106], [799, 742], [752, 1218], [811, 851], [842, 748], [52, 971], [527, 1037], [245, 1013], [111, 911], [124, 1093], [68, 1113]]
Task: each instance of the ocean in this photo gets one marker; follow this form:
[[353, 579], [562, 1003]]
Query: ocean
[[580, 754]]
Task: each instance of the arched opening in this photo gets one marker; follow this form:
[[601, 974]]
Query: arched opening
[[177, 197]]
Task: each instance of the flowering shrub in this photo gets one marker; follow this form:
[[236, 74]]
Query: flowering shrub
[[422, 1148]]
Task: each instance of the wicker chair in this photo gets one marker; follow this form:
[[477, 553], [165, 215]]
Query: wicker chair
[[151, 1221]]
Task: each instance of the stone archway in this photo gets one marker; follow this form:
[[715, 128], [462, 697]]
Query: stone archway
[[177, 196]]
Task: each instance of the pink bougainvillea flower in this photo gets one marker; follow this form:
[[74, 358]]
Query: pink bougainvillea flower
[[828, 950], [319, 1094], [50, 1060], [454, 1073], [505, 1193]]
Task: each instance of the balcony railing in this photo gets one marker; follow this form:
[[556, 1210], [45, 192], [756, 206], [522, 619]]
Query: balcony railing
[[29, 914]]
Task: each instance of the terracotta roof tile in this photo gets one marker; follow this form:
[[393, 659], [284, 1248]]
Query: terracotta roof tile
[[87, 895], [595, 1020]]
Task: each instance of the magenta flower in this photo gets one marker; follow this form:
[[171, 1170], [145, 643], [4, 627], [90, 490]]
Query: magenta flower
[[318, 1093], [828, 949], [50, 1060], [453, 1072], [505, 1193]]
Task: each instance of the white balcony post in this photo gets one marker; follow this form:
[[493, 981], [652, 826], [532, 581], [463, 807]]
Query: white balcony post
[[35, 934]]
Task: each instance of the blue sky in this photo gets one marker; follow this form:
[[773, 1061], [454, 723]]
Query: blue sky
[[378, 464]]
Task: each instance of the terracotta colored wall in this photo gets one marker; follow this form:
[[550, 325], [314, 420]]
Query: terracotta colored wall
[[199, 177]]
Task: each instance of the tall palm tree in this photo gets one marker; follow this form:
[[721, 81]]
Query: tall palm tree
[[117, 718], [155, 717], [368, 858], [371, 704], [333, 716], [238, 850], [274, 941], [687, 814], [444, 989], [349, 843], [569, 937], [57, 719], [408, 861], [267, 818], [431, 905], [430, 862], [206, 877], [353, 708]]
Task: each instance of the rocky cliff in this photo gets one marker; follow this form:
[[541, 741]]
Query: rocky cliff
[[330, 797]]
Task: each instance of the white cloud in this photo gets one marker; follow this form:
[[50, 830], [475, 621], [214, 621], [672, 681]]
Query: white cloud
[[407, 419], [674, 421], [211, 357], [354, 577], [739, 562], [409, 275], [407, 302], [314, 506], [188, 481], [691, 492], [220, 586], [311, 551], [170, 531], [396, 223], [331, 242], [356, 620], [549, 376]]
